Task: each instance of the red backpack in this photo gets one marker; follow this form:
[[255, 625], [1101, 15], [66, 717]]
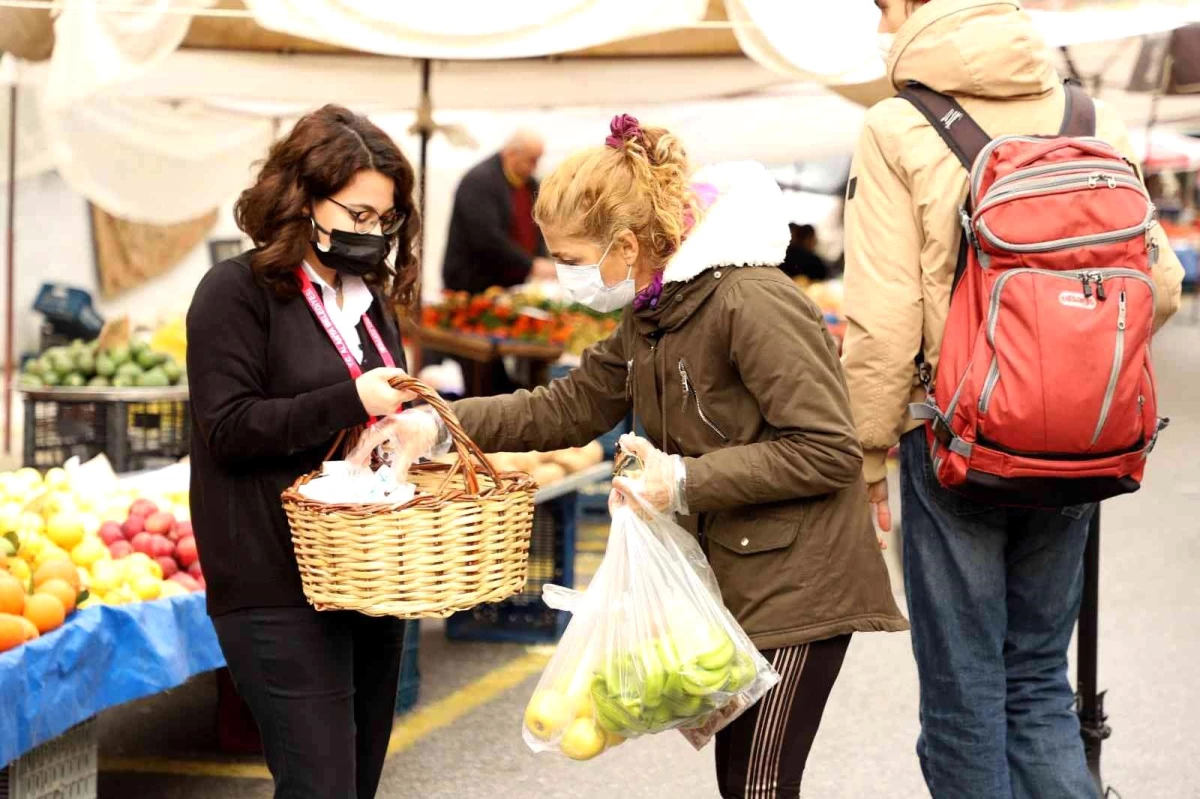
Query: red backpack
[[1044, 394]]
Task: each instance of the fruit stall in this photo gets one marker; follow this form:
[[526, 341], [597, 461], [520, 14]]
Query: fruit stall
[[101, 602], [526, 323]]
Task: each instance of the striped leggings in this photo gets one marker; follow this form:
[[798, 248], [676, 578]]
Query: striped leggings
[[762, 754]]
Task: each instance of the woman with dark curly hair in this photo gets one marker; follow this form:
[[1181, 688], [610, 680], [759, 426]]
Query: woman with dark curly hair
[[289, 344]]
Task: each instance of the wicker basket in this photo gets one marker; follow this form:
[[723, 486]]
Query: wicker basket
[[462, 541]]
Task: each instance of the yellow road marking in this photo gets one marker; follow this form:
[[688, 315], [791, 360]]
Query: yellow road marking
[[184, 768], [427, 720], [410, 730]]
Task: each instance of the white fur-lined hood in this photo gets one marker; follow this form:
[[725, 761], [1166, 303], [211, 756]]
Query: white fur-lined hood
[[747, 224]]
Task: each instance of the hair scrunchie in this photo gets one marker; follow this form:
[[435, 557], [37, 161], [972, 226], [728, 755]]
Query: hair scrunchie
[[623, 128]]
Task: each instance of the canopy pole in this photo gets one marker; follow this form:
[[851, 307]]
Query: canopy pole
[[424, 128], [10, 267]]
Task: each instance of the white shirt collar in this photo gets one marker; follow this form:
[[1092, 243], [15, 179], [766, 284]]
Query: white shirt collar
[[356, 301]]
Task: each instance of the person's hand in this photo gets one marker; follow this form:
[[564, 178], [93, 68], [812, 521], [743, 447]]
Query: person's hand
[[543, 269], [661, 485], [877, 495], [409, 436], [377, 394]]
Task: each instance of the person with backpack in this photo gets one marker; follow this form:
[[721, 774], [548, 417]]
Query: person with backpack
[[1004, 274]]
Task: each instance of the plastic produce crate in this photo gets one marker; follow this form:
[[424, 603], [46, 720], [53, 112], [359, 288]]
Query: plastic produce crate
[[410, 668], [524, 618], [64, 768], [135, 428]]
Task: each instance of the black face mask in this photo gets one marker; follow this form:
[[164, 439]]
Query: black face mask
[[357, 254]]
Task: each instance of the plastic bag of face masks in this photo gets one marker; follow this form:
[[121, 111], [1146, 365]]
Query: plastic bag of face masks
[[650, 648]]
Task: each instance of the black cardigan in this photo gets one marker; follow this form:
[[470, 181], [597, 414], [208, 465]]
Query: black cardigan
[[269, 393], [480, 252]]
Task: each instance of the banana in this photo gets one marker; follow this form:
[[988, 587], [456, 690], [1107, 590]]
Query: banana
[[611, 716], [741, 674], [660, 718], [653, 683], [719, 656], [673, 689], [700, 682], [687, 708]]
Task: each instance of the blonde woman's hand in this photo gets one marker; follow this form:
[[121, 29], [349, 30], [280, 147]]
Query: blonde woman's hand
[[377, 394], [661, 485]]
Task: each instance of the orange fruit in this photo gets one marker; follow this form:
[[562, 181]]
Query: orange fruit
[[31, 630], [62, 568], [45, 611], [12, 595], [12, 632], [64, 591]]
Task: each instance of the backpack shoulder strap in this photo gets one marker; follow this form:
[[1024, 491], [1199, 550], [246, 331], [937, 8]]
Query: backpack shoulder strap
[[962, 134], [966, 140], [1079, 116]]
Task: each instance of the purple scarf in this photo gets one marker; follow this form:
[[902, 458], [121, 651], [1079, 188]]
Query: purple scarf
[[706, 195]]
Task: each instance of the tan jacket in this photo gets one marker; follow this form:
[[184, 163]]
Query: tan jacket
[[902, 227], [736, 372]]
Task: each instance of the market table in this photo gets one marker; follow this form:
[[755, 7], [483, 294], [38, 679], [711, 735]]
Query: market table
[[480, 352], [103, 656]]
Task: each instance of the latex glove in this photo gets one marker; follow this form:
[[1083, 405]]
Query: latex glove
[[663, 481], [409, 436]]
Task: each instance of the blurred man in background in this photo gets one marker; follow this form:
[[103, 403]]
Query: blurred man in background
[[802, 259], [493, 239]]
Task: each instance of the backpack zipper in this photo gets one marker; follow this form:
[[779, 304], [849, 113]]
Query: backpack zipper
[[1073, 275], [986, 153], [1066, 168], [1118, 358], [1090, 180], [690, 388], [1086, 277], [1112, 237], [989, 384]]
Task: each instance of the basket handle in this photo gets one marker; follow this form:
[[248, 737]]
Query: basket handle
[[463, 444]]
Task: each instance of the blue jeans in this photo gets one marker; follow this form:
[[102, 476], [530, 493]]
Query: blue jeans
[[993, 594]]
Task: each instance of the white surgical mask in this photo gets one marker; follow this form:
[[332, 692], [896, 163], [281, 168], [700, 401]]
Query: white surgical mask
[[584, 285], [885, 43]]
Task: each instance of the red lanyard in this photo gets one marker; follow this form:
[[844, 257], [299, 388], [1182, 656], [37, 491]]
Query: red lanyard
[[339, 343]]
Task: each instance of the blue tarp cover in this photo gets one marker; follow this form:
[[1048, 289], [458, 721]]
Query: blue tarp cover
[[103, 656]]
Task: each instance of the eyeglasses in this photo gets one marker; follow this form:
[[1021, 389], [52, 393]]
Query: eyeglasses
[[367, 219]]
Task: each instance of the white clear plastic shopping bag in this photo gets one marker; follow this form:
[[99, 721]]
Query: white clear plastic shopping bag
[[650, 648]]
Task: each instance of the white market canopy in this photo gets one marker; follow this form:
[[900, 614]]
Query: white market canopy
[[133, 106]]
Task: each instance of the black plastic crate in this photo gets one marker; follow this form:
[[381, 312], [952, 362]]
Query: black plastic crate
[[133, 433], [410, 668], [524, 618]]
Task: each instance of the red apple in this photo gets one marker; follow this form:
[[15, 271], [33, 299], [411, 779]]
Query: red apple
[[184, 529], [143, 508], [111, 532], [169, 566], [143, 542], [120, 549], [163, 547], [203, 583], [195, 570], [185, 552], [134, 525], [186, 580], [160, 523]]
